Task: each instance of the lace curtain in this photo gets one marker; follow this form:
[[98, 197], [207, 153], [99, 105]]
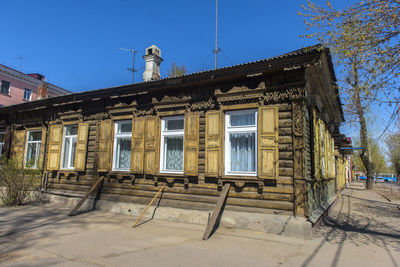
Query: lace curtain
[[174, 153], [124, 153], [243, 152]]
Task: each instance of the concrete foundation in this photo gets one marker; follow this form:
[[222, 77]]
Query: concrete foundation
[[270, 223]]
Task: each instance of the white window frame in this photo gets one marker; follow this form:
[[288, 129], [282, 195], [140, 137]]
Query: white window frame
[[116, 137], [240, 129], [171, 133], [30, 94], [2, 143], [72, 136], [37, 154]]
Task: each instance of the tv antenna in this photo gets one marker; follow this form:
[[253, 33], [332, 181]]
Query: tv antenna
[[20, 62], [133, 51], [216, 50]]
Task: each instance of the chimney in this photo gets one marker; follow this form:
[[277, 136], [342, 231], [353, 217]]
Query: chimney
[[42, 91], [153, 60]]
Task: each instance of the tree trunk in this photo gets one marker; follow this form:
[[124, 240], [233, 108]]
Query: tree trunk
[[369, 166], [364, 141]]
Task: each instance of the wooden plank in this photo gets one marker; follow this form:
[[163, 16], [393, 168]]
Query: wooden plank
[[148, 206], [217, 211], [94, 187]]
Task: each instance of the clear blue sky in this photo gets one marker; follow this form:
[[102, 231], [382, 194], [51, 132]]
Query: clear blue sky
[[75, 43]]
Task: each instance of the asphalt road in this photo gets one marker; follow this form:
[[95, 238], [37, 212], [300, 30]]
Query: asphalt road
[[363, 229]]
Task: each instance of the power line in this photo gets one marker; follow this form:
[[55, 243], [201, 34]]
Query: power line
[[391, 120], [216, 50]]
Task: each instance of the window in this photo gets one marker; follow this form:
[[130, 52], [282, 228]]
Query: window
[[27, 94], [172, 132], [33, 143], [241, 142], [5, 87], [122, 145], [1, 143], [69, 146]]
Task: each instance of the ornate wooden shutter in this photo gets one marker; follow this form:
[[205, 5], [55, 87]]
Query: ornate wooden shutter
[[191, 151], [18, 146], [53, 155], [151, 138], [137, 147], [105, 146], [213, 159], [81, 146], [316, 145], [268, 151], [42, 148]]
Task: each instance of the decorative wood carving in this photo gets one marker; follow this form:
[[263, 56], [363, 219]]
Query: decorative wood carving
[[297, 119], [287, 95]]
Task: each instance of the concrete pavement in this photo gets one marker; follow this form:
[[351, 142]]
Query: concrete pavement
[[362, 229]]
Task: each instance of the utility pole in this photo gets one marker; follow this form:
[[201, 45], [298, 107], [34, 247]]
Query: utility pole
[[216, 50], [133, 51]]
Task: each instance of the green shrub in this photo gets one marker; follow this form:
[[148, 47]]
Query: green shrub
[[16, 183]]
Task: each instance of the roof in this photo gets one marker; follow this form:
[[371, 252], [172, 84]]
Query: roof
[[31, 77], [268, 63]]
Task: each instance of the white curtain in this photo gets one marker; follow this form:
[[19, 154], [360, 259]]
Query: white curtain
[[174, 153], [124, 152], [243, 152]]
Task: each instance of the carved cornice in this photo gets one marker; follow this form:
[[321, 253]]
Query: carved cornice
[[287, 95], [202, 105], [122, 109]]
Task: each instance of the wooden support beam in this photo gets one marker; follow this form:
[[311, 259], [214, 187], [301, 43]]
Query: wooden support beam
[[96, 187], [211, 222], [148, 206]]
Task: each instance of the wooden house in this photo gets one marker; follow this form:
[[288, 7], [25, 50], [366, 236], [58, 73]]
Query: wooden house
[[267, 127]]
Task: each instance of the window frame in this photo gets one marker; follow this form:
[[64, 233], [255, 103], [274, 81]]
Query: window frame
[[37, 155], [70, 147], [117, 136], [2, 143], [239, 129], [1, 87], [171, 133], [30, 94]]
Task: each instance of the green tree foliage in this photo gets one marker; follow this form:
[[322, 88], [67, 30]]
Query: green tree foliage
[[364, 40], [176, 70], [393, 143]]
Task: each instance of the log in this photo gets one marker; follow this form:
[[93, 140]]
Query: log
[[96, 187], [217, 211]]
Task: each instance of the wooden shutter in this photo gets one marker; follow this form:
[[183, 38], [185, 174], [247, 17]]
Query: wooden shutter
[[316, 145], [268, 151], [42, 148], [53, 155], [105, 146], [18, 146], [191, 154], [81, 146], [213, 159], [137, 147], [151, 138]]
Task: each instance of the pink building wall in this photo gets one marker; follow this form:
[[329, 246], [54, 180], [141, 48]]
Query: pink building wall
[[17, 88], [19, 81]]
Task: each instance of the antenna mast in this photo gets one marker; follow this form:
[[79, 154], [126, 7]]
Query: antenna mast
[[133, 51], [216, 50]]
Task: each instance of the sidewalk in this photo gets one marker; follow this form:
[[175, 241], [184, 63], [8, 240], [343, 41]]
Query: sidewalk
[[363, 229]]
